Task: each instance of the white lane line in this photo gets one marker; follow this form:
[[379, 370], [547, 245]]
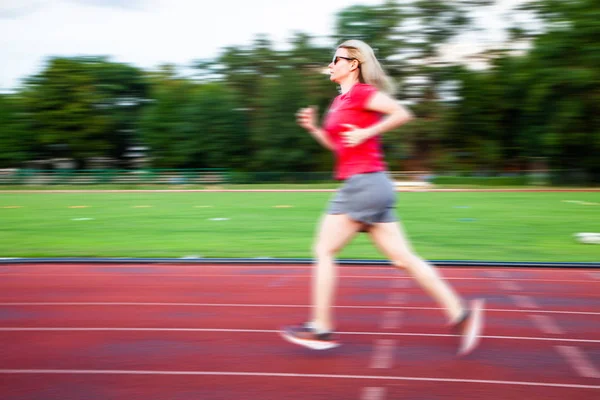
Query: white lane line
[[383, 354], [498, 274], [229, 266], [398, 298], [293, 375], [578, 361], [280, 281], [594, 275], [232, 330], [306, 275], [373, 393], [523, 301], [237, 305], [401, 283], [392, 272], [113, 329], [546, 324], [391, 319], [509, 286]]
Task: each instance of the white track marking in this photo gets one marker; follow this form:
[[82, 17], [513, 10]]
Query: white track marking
[[280, 281], [232, 330], [221, 266], [401, 283], [373, 393], [578, 361], [237, 305], [306, 275], [293, 375], [523, 301], [509, 286], [391, 319], [594, 275], [546, 324], [398, 298], [498, 274], [383, 354]]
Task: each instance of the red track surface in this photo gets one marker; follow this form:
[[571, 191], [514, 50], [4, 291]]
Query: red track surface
[[171, 332]]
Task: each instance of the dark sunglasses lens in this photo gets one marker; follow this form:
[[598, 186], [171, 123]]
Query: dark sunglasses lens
[[338, 58]]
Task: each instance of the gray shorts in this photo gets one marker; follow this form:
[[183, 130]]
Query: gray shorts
[[367, 198]]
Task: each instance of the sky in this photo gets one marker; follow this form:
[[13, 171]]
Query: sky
[[147, 33]]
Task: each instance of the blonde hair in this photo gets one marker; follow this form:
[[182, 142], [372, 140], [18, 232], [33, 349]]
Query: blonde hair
[[371, 71]]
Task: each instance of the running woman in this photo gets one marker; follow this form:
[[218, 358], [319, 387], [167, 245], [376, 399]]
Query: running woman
[[364, 110]]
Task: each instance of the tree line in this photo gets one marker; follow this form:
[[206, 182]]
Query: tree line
[[237, 110]]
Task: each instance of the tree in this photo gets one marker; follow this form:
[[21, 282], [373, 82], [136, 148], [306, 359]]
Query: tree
[[270, 87], [407, 37], [15, 139], [84, 107], [281, 145], [564, 95], [543, 103], [63, 103], [162, 124], [124, 92], [217, 128], [194, 125], [376, 25]]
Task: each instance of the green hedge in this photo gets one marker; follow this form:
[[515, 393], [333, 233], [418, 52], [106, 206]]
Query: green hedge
[[481, 180]]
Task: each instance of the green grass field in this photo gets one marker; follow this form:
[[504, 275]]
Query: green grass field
[[441, 225]]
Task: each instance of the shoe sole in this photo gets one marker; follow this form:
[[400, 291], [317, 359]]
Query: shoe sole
[[471, 339], [311, 344]]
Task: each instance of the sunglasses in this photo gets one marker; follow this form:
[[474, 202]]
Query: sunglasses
[[337, 58]]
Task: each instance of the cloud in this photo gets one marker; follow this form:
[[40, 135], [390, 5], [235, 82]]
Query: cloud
[[14, 9], [124, 4]]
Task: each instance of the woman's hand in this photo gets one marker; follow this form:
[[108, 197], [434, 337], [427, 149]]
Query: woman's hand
[[307, 118], [355, 135]]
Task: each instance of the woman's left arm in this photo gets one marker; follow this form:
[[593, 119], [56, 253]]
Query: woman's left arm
[[394, 113]]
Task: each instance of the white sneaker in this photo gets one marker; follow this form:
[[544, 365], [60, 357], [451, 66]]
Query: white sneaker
[[305, 335], [470, 327]]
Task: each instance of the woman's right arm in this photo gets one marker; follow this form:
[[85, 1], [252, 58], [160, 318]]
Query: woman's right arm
[[307, 118]]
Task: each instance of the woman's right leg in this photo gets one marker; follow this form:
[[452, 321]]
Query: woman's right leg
[[335, 231]]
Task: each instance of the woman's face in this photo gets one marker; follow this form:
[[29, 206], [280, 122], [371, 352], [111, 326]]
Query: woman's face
[[341, 65]]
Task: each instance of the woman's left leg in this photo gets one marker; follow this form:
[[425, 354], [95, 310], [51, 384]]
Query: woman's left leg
[[390, 240], [468, 321]]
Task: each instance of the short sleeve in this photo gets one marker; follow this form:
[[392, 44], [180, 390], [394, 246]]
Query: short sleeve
[[361, 93]]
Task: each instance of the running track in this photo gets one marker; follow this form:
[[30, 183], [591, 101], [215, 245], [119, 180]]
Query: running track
[[203, 332]]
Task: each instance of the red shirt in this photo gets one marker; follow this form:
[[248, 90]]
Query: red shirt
[[350, 108]]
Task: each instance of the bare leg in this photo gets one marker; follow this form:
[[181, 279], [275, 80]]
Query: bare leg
[[391, 240], [335, 231]]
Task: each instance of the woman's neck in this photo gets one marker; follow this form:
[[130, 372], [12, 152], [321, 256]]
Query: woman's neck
[[347, 85]]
